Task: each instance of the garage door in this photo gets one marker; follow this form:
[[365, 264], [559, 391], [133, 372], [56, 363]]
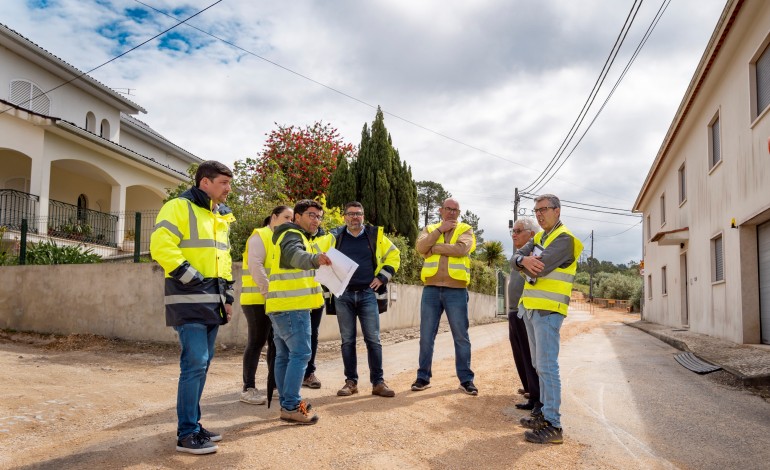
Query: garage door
[[763, 242]]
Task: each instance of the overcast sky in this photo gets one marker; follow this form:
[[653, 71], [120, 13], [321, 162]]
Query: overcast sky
[[478, 95]]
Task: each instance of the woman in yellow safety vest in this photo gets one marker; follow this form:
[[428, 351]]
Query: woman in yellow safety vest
[[257, 259]]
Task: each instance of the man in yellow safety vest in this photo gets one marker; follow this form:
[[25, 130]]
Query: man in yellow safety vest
[[549, 262]]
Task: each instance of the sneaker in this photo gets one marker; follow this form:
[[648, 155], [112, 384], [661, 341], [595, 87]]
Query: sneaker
[[212, 436], [535, 422], [348, 389], [195, 443], [469, 388], [382, 389], [253, 397], [311, 381], [546, 435], [300, 415], [419, 385]]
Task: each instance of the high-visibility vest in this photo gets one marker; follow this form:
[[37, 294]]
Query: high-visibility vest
[[186, 232], [322, 244], [552, 291], [250, 292], [459, 267], [291, 289]]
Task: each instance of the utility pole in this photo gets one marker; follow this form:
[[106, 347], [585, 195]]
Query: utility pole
[[516, 200], [591, 272]]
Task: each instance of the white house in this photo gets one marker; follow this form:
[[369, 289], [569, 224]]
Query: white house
[[706, 199], [71, 154]]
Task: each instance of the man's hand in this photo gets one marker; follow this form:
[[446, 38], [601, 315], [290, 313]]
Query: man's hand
[[533, 264], [324, 260], [229, 311], [447, 226], [376, 283]]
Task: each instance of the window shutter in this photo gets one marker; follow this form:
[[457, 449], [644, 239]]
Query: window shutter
[[716, 150], [719, 268], [763, 81], [29, 96]]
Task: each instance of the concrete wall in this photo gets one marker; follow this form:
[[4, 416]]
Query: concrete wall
[[126, 301]]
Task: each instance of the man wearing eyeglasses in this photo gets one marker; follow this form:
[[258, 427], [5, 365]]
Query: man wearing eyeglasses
[[446, 272], [549, 261], [292, 294], [378, 260], [523, 231]]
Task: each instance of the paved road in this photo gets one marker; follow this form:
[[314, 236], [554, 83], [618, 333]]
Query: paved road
[[636, 407]]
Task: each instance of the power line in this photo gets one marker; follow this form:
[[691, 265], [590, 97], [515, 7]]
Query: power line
[[621, 233], [592, 95], [116, 57], [646, 36], [592, 207]]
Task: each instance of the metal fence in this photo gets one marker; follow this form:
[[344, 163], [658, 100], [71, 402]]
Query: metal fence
[[70, 225], [16, 206]]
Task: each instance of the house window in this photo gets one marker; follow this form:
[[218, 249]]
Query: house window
[[29, 96], [663, 288], [662, 209], [682, 185], [717, 259], [649, 286], [90, 122], [715, 146], [82, 208], [104, 129], [762, 77]]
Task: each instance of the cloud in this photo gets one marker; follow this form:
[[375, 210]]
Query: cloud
[[504, 80]]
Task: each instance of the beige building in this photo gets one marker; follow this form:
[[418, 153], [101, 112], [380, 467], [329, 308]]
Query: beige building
[[706, 199], [72, 159]]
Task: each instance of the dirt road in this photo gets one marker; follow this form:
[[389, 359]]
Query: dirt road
[[86, 402]]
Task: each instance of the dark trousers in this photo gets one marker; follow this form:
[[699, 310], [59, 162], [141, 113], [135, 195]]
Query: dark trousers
[[260, 331], [517, 334], [315, 323]]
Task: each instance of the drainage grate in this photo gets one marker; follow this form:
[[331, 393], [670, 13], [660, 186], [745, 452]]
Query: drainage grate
[[695, 364]]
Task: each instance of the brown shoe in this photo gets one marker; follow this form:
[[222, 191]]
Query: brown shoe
[[301, 415], [311, 382], [348, 389], [383, 390]]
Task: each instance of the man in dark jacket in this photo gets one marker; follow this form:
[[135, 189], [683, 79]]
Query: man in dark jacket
[[191, 242], [378, 260]]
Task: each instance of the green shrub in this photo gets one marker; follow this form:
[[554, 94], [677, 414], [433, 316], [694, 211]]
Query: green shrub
[[411, 262], [617, 286], [48, 252], [483, 278]]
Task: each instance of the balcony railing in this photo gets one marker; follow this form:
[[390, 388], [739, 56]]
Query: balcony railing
[[76, 223], [15, 206]]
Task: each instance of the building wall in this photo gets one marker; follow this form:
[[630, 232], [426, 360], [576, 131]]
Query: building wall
[[734, 188], [126, 301]]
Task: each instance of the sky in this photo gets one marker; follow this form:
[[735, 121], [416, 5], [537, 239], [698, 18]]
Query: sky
[[478, 96]]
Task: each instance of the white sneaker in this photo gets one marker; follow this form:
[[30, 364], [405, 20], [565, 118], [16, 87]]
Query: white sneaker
[[253, 397]]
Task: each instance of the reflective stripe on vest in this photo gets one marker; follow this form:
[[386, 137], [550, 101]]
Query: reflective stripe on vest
[[291, 289], [552, 292], [459, 268], [251, 294]]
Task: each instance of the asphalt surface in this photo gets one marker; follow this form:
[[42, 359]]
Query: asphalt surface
[[626, 397]]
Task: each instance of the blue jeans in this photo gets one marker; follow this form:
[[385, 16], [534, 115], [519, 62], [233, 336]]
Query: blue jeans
[[291, 334], [362, 304], [197, 342], [544, 336], [453, 301]]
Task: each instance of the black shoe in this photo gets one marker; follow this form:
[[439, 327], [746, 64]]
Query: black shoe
[[538, 410], [420, 385], [469, 388], [212, 436], [195, 444], [525, 406], [545, 435], [536, 422]]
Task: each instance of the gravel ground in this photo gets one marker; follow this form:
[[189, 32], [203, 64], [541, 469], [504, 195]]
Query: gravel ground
[[90, 402]]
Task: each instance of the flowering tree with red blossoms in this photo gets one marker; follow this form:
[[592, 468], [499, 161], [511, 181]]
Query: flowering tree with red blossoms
[[307, 157]]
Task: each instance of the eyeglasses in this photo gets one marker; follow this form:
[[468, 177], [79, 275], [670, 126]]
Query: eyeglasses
[[542, 209], [451, 210], [518, 230], [354, 214], [314, 216]]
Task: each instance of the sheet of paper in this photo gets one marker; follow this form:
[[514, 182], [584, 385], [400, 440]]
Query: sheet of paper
[[537, 251], [337, 276]]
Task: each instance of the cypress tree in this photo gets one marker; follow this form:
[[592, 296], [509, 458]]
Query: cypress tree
[[342, 188]]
